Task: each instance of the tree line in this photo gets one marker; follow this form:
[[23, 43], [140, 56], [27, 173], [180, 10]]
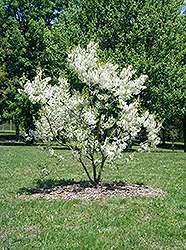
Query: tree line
[[149, 35]]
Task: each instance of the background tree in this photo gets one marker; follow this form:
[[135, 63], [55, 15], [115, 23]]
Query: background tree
[[147, 34], [24, 27]]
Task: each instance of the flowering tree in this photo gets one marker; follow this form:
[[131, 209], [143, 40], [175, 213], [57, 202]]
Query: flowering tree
[[99, 121]]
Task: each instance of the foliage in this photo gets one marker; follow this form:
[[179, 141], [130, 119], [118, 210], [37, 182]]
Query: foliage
[[25, 27], [99, 121], [150, 35]]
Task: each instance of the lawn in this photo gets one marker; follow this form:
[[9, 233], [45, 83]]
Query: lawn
[[117, 223]]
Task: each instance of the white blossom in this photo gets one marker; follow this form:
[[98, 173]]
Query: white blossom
[[100, 119]]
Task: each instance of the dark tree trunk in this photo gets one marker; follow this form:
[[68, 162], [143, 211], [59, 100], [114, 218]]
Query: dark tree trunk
[[143, 135], [163, 137], [17, 129], [184, 131]]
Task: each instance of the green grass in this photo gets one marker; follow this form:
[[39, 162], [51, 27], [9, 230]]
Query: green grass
[[130, 223]]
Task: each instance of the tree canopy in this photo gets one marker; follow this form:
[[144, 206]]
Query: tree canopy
[[24, 28], [148, 34], [98, 122]]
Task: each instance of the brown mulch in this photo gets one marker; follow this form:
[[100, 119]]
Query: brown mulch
[[84, 190]]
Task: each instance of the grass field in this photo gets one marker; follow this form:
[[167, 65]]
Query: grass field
[[130, 223]]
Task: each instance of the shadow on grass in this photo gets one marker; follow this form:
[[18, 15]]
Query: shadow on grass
[[9, 139], [43, 185], [60, 148], [13, 143], [169, 146], [47, 186]]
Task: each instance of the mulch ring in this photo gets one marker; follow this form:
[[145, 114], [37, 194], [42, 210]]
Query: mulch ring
[[84, 190]]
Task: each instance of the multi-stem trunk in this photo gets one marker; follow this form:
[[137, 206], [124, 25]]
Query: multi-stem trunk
[[96, 174]]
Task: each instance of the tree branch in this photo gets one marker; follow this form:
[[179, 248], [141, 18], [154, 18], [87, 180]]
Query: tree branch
[[102, 164], [80, 160]]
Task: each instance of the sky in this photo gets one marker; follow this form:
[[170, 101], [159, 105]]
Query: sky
[[183, 7]]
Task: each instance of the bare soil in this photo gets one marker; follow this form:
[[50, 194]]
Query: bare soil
[[84, 190]]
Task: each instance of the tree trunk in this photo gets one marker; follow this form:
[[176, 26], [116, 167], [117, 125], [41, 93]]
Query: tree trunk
[[3, 125], [184, 131], [163, 136], [17, 129], [10, 124]]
